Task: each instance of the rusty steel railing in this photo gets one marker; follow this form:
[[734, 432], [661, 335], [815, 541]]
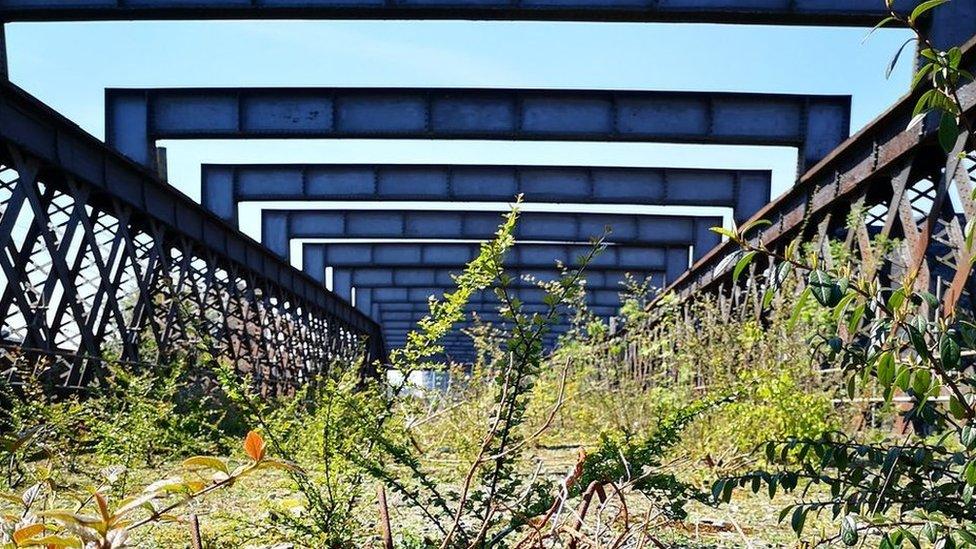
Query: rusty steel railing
[[101, 259], [889, 181]]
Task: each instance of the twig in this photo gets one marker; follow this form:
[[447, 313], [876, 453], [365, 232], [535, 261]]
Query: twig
[[384, 524]]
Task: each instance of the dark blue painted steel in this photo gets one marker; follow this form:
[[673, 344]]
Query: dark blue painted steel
[[599, 298], [775, 12], [278, 227], [316, 257], [136, 118], [224, 186]]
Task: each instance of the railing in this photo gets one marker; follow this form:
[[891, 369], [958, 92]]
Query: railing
[[898, 183], [100, 259]]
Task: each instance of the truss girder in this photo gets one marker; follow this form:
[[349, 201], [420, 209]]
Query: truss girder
[[100, 259]]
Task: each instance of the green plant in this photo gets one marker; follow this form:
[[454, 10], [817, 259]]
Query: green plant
[[93, 522], [918, 485]]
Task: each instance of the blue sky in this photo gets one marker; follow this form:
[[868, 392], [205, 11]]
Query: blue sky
[[68, 65]]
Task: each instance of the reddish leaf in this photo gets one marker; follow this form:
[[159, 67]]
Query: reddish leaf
[[26, 533], [254, 446], [102, 507]]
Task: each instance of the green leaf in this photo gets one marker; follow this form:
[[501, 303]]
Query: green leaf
[[718, 488], [896, 299], [915, 335], [752, 225], [206, 462], [920, 75], [969, 473], [949, 351], [848, 531], [923, 105], [824, 288], [956, 408], [921, 382], [886, 368], [894, 60], [970, 232], [855, 319], [798, 520], [741, 265], [881, 24], [923, 8], [798, 308], [903, 378], [728, 233], [948, 131], [968, 437], [782, 514]]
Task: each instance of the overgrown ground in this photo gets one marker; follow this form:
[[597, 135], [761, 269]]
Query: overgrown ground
[[703, 425]]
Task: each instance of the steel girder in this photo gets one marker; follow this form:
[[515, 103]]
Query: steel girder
[[426, 277], [136, 118], [532, 296], [111, 257], [767, 12], [279, 227], [900, 180], [316, 257], [224, 186]]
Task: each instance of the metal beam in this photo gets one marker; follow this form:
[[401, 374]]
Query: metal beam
[[224, 186], [407, 255], [279, 227], [861, 13], [136, 118], [598, 298], [412, 310], [423, 277]]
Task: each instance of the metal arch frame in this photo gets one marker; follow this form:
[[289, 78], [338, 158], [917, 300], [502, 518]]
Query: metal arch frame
[[863, 13], [136, 118], [224, 186], [138, 233], [279, 227]]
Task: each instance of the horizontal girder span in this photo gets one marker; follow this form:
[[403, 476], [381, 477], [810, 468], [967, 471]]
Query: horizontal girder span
[[279, 227], [136, 118], [860, 13], [224, 186]]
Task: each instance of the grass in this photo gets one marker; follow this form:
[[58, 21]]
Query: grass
[[242, 516]]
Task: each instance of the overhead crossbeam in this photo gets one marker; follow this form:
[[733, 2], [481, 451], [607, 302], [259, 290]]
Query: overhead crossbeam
[[279, 227], [361, 264], [136, 118], [423, 277], [225, 186], [861, 13], [531, 296]]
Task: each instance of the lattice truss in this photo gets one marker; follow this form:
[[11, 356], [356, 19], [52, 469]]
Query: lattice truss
[[913, 220], [83, 279]]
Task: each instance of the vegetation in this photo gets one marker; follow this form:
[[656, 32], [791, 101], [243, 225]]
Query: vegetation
[[813, 396]]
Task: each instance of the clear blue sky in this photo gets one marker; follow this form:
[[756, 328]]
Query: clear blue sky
[[69, 65]]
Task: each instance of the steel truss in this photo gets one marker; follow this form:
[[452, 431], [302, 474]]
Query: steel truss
[[893, 183], [101, 259]]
